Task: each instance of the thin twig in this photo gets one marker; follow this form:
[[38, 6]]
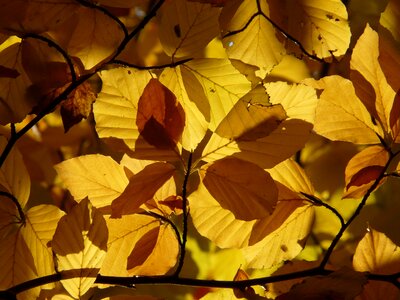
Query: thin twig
[[185, 216], [170, 65], [17, 204]]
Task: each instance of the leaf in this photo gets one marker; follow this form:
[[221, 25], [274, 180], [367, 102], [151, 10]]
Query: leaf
[[369, 81], [321, 28], [285, 235], [77, 106], [395, 118], [377, 254], [187, 27], [41, 223], [141, 188], [251, 39], [298, 100], [14, 103], [52, 13], [191, 96], [155, 253], [223, 85], [340, 115], [363, 169], [95, 176], [80, 245], [266, 152], [160, 118], [248, 122], [342, 284], [92, 36], [389, 18], [240, 187], [14, 177]]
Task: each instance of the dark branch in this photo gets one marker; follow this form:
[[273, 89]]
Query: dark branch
[[15, 200], [170, 65]]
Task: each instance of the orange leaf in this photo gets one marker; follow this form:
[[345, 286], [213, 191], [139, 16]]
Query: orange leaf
[[395, 118], [365, 176], [160, 118], [218, 3], [141, 188]]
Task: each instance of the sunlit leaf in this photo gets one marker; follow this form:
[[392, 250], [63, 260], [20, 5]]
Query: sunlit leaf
[[80, 245], [298, 100], [160, 117], [240, 187], [363, 169], [251, 40], [14, 103], [141, 188], [321, 28], [191, 96], [376, 253], [342, 284], [187, 27], [371, 87], [95, 176], [155, 252], [389, 18], [14, 177], [280, 144], [340, 115], [223, 85]]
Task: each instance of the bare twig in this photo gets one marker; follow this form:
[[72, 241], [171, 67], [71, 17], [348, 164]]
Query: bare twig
[[17, 204]]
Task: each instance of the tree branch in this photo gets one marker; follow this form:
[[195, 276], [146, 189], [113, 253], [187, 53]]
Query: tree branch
[[15, 200]]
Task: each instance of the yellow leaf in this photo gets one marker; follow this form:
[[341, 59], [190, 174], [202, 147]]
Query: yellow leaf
[[123, 235], [141, 188], [95, 176], [41, 223], [80, 244], [187, 27], [340, 115], [14, 177], [155, 252], [363, 169], [280, 144], [389, 18], [343, 284], [376, 253], [223, 85], [115, 112], [241, 187], [27, 16], [14, 103], [321, 27], [286, 233], [298, 100], [371, 87], [257, 44], [190, 94]]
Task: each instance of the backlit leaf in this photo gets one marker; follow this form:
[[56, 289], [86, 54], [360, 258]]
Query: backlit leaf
[[342, 284], [371, 87], [95, 176], [340, 115], [123, 235], [280, 144], [160, 117], [321, 28], [155, 253], [363, 169], [377, 254], [223, 85], [14, 177], [241, 187], [141, 188], [191, 96], [80, 245], [14, 103], [257, 44], [187, 27]]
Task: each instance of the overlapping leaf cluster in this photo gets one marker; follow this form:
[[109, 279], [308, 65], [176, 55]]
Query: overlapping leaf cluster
[[196, 130]]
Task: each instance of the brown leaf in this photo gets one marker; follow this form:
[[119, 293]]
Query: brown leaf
[[246, 292], [77, 106], [8, 72], [395, 118], [365, 176], [160, 117], [217, 3]]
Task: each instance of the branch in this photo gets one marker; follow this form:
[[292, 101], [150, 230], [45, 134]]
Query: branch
[[185, 216], [15, 200], [170, 65], [337, 238]]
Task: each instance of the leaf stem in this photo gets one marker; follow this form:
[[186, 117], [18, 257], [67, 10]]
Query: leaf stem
[[15, 200], [185, 216]]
